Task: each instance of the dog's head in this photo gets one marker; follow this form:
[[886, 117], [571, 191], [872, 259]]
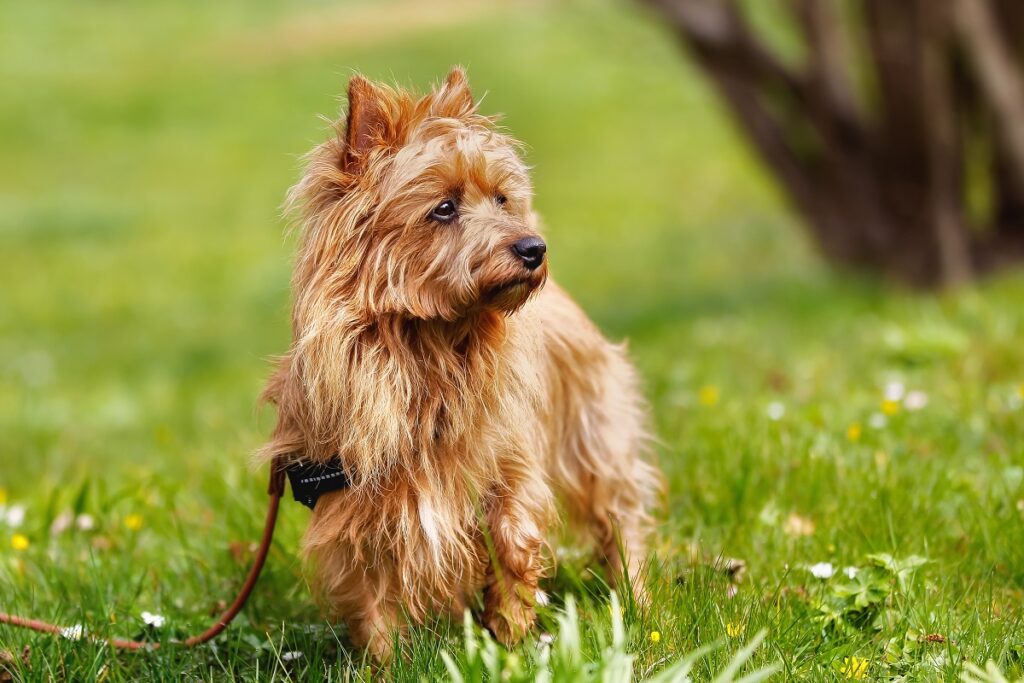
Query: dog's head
[[418, 207]]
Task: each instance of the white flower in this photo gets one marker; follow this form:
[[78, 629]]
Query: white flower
[[851, 572], [73, 632], [894, 391], [291, 656], [85, 522], [542, 598], [15, 516], [154, 620], [776, 411], [916, 400], [877, 421], [822, 570], [546, 639], [61, 523]]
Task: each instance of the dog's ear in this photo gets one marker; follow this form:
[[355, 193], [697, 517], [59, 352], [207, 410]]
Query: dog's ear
[[365, 126], [454, 98]]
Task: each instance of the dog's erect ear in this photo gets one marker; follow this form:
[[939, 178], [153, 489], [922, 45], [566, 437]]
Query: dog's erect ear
[[454, 99], [365, 125]]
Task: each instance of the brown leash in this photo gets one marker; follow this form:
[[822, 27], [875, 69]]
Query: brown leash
[[275, 490]]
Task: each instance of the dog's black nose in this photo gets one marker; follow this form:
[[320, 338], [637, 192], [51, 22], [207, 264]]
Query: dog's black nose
[[531, 250]]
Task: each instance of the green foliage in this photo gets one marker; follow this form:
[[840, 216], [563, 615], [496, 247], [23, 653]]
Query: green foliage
[[990, 674], [560, 657], [147, 148], [868, 599]]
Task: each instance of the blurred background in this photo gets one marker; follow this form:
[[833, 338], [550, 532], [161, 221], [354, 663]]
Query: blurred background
[[793, 214], [144, 264]]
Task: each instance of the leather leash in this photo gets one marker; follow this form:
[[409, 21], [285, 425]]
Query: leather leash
[[275, 490]]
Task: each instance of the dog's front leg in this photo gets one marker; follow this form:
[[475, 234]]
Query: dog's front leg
[[517, 519]]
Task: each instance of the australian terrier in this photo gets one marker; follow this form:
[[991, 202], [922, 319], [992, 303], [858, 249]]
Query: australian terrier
[[470, 401]]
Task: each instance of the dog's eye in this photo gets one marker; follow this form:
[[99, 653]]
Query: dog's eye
[[501, 199], [445, 211]]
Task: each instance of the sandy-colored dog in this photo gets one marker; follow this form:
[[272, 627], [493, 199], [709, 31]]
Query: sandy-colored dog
[[465, 397]]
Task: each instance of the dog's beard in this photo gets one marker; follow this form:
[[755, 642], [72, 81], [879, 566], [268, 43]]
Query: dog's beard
[[509, 296]]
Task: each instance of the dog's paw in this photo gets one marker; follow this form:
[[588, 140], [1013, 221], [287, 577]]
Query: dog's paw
[[509, 618]]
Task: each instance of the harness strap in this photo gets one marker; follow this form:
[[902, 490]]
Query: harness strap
[[275, 489]]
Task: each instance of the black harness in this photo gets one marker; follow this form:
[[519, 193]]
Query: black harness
[[311, 480]]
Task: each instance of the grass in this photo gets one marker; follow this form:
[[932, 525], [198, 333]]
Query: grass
[[144, 282]]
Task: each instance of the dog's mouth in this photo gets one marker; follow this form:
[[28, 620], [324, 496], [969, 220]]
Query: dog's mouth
[[513, 293], [519, 283]]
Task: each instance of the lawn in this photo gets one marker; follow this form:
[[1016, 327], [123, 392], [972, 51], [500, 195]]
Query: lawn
[[806, 418]]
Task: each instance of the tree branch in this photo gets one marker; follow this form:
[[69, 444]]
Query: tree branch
[[829, 58], [806, 142], [716, 36], [944, 154], [998, 76]]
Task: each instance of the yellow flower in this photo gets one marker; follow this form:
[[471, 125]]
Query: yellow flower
[[734, 630], [795, 525], [881, 459], [1020, 390], [133, 522], [19, 542], [3, 496], [853, 432], [890, 407], [854, 667], [709, 395], [655, 637]]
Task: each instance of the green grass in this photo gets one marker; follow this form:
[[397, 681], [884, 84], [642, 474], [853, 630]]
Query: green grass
[[144, 283]]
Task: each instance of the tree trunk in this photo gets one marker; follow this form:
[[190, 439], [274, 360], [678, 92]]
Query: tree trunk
[[878, 167]]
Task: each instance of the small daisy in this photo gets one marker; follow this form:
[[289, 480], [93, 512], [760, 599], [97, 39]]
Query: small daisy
[[15, 516], [822, 570], [546, 639], [916, 400], [154, 620], [291, 656], [796, 525], [61, 523], [73, 632], [851, 572], [85, 522], [878, 421], [894, 391], [776, 411]]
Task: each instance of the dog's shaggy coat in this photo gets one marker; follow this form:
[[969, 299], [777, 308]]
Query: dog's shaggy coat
[[466, 398]]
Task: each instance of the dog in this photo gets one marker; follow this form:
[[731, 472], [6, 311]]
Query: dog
[[469, 401]]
